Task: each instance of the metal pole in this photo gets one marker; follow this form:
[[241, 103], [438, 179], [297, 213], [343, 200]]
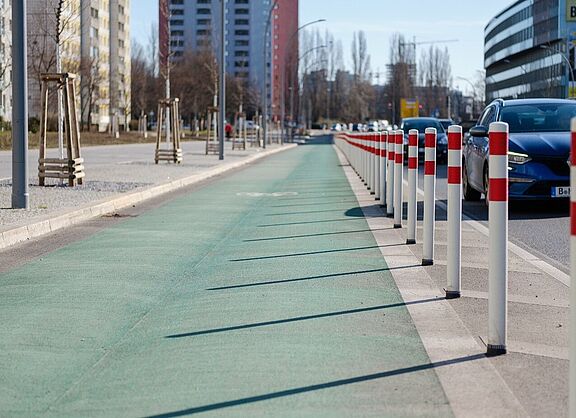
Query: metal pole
[[398, 178], [222, 99], [265, 77], [20, 107], [454, 256], [430, 136], [412, 185]]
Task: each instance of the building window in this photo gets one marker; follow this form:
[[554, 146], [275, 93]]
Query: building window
[[241, 42], [241, 2], [241, 54], [202, 22], [177, 12], [241, 22], [203, 11], [94, 12], [204, 1], [242, 32], [177, 1], [177, 33], [241, 11], [176, 22], [203, 32]]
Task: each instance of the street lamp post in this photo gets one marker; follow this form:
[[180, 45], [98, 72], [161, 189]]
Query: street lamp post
[[283, 74], [20, 107], [473, 92], [222, 91]]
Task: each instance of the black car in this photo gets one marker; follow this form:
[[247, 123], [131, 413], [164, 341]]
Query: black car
[[421, 124], [539, 149]]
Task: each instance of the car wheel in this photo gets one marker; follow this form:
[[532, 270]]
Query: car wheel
[[486, 187], [470, 194]]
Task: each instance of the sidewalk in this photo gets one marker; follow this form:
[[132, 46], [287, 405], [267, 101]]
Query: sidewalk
[[117, 176], [532, 379]]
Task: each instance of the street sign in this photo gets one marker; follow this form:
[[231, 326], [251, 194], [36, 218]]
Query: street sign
[[571, 10], [408, 108]]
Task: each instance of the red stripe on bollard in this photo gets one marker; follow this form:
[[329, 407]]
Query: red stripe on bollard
[[573, 218], [454, 175], [498, 190], [429, 168], [498, 143], [412, 162], [399, 158], [454, 141], [573, 153], [429, 140], [413, 140]]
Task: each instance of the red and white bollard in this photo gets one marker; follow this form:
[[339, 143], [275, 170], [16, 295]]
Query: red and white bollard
[[377, 143], [429, 196], [383, 163], [372, 156], [498, 238], [390, 173], [454, 212], [398, 178], [412, 185], [572, 367]]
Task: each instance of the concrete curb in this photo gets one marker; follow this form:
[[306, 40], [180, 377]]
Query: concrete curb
[[53, 223]]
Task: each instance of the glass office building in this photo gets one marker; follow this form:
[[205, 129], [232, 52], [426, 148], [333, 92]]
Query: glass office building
[[529, 50]]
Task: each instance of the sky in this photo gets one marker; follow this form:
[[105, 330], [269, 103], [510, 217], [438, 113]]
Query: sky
[[422, 20]]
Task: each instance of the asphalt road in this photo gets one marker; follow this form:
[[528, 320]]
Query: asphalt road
[[540, 227]]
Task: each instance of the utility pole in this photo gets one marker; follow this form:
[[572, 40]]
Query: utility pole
[[20, 196]]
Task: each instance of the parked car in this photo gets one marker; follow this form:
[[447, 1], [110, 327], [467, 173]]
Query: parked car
[[446, 123], [421, 124], [251, 125], [539, 149]]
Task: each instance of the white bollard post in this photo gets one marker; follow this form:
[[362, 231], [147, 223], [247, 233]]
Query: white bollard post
[[454, 211], [376, 156], [364, 159], [398, 179], [572, 367], [390, 172], [371, 163], [383, 163], [412, 185], [429, 196], [498, 238]]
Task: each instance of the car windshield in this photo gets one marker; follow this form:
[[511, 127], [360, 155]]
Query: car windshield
[[421, 125], [543, 117]]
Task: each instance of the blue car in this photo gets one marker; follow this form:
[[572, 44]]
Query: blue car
[[421, 124], [539, 149]]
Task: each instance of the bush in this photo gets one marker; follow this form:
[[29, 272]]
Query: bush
[[33, 125]]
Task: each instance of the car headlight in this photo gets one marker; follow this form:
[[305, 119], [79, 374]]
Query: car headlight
[[442, 140], [517, 158], [405, 140]]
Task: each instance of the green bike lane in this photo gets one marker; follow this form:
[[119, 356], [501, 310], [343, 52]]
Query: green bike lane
[[263, 293]]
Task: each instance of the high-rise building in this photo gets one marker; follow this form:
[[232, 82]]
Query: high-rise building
[[285, 54], [529, 50], [194, 24], [95, 44]]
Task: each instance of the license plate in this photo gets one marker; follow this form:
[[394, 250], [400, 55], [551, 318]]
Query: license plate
[[420, 149], [560, 191]]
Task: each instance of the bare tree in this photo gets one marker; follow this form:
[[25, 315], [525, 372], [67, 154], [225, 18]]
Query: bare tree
[[92, 77], [435, 80]]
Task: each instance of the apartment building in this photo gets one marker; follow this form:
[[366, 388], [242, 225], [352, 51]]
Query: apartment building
[[95, 44], [194, 24]]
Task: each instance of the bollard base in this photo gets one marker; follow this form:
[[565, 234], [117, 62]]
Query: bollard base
[[452, 294], [372, 192], [376, 198], [397, 226], [410, 241], [426, 262], [389, 215], [495, 350]]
